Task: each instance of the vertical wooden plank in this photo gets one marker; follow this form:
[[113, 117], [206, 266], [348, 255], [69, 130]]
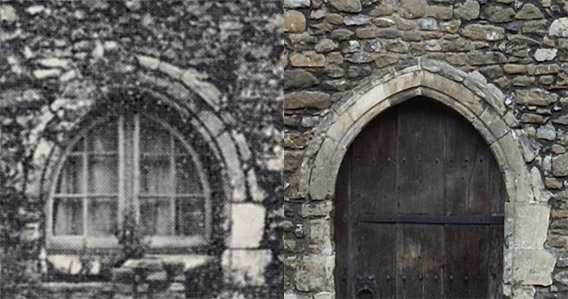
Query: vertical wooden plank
[[455, 259], [340, 220], [498, 191], [458, 159], [466, 261], [420, 153], [374, 164], [479, 194], [374, 255], [476, 274], [495, 263], [419, 262]]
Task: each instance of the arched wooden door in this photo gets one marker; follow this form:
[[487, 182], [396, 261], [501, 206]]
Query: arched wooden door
[[419, 209]]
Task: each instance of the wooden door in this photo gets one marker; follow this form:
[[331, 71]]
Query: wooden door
[[419, 209]]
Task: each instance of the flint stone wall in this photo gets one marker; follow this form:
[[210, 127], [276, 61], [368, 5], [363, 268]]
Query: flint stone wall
[[336, 51]]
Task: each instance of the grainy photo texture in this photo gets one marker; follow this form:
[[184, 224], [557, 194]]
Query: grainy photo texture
[[141, 149]]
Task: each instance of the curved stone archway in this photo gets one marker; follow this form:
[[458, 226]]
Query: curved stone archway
[[526, 262], [196, 107]]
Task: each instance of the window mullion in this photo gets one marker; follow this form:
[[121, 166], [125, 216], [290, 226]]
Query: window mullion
[[173, 184], [121, 170], [136, 167], [85, 185]]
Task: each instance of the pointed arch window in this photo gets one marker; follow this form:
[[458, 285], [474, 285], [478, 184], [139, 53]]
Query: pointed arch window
[[129, 162]]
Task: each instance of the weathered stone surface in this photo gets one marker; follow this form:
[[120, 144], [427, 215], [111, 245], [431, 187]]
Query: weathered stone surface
[[543, 69], [560, 165], [412, 9], [529, 12], [545, 54], [346, 5], [385, 59], [54, 63], [319, 209], [299, 79], [160, 276], [562, 277], [307, 59], [535, 27], [532, 118], [245, 267], [523, 81], [341, 34], [559, 27], [439, 12], [359, 58], [397, 47], [294, 21], [367, 32], [428, 24], [547, 132], [334, 71], [8, 14], [483, 58], [247, 225], [123, 275], [450, 26], [499, 14], [535, 266], [326, 45], [383, 8], [307, 99], [319, 241], [351, 20], [468, 10], [514, 68], [296, 3], [47, 73], [313, 276], [333, 18], [483, 32], [555, 184], [535, 96], [295, 140]]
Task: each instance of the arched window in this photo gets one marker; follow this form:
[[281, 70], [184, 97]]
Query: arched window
[[129, 163]]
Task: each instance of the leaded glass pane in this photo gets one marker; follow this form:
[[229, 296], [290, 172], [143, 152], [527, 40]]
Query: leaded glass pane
[[154, 139], [155, 216], [101, 216], [187, 177], [155, 176], [79, 146], [71, 176], [103, 138], [68, 216], [189, 216], [103, 174]]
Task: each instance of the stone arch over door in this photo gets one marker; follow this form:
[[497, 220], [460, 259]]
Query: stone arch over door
[[526, 262]]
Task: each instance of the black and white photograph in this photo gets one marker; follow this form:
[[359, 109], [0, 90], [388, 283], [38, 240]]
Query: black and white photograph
[[141, 149]]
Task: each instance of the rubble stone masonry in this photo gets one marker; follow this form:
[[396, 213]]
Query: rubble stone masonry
[[503, 63]]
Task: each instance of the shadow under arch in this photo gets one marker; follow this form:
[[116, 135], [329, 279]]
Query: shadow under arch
[[481, 104]]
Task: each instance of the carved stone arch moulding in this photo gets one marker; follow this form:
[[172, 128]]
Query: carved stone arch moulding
[[185, 91], [526, 262], [197, 105]]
